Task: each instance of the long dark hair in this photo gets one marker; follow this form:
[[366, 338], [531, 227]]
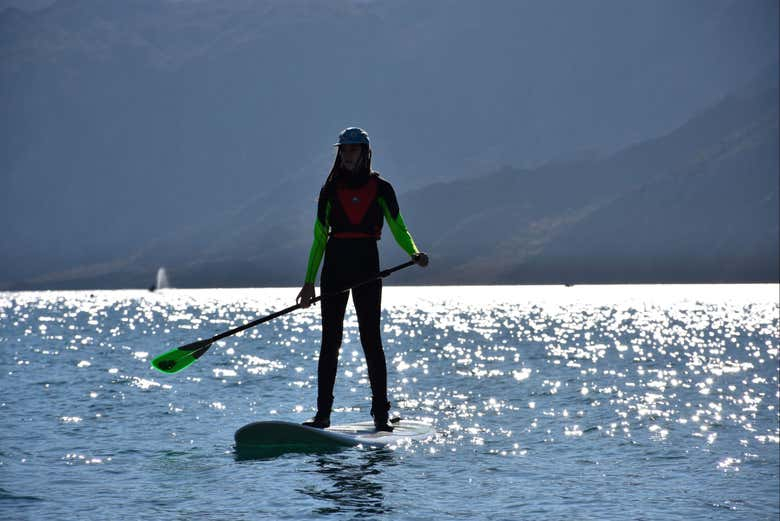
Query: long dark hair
[[363, 167]]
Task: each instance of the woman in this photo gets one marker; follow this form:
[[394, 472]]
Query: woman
[[352, 205]]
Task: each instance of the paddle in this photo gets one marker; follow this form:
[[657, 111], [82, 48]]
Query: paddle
[[177, 359]]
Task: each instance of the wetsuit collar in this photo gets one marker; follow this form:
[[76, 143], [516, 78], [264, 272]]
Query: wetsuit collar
[[353, 180]]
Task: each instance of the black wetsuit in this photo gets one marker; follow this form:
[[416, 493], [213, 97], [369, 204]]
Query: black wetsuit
[[348, 262], [350, 213]]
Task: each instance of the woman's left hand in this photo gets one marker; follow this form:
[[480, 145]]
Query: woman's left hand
[[420, 259]]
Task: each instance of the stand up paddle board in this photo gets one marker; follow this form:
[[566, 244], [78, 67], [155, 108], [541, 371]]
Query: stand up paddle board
[[281, 436]]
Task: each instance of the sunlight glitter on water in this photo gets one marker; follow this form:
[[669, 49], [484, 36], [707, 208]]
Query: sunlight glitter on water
[[532, 373], [662, 359]]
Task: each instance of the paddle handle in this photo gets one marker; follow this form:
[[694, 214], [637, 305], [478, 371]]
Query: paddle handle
[[382, 274]]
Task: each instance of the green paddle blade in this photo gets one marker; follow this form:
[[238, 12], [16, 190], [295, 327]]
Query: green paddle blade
[[181, 357]]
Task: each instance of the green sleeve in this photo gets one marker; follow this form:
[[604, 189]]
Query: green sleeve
[[398, 227], [317, 246]]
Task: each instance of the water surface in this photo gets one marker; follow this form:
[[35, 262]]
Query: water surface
[[621, 402]]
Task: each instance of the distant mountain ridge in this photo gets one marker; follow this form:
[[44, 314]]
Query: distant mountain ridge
[[196, 134], [699, 204]]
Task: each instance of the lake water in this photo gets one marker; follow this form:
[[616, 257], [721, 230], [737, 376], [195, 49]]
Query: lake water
[[622, 402]]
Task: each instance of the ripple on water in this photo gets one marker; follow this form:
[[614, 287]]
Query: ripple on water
[[526, 385]]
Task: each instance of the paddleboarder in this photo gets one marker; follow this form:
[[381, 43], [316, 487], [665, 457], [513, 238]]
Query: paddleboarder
[[352, 205]]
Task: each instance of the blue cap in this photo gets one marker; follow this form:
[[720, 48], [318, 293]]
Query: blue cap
[[352, 136]]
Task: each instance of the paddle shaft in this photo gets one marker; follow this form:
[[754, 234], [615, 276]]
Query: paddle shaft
[[382, 274], [181, 357]]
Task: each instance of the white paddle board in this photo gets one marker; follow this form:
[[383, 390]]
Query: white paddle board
[[282, 436]]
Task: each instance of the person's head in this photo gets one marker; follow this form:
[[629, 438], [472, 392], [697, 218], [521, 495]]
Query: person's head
[[350, 156], [354, 153]]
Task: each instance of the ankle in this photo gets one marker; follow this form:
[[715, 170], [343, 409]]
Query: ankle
[[380, 410], [319, 421]]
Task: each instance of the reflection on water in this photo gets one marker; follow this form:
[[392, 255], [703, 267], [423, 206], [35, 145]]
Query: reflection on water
[[353, 482], [273, 452]]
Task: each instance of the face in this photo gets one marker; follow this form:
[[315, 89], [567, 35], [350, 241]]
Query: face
[[350, 155]]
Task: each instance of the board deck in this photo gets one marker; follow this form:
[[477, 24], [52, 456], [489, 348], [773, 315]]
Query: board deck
[[282, 436]]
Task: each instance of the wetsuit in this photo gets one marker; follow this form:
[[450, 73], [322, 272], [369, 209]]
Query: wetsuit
[[350, 213]]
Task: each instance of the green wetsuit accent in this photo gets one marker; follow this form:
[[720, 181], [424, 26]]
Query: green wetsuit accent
[[317, 246], [398, 227], [389, 205]]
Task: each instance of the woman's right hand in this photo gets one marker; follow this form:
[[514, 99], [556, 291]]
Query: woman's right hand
[[306, 295]]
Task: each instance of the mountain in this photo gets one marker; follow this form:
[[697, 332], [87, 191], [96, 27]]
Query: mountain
[[699, 204], [713, 218], [146, 132]]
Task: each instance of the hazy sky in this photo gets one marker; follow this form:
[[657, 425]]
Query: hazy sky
[[27, 5]]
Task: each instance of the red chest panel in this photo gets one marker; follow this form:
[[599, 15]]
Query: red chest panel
[[356, 201]]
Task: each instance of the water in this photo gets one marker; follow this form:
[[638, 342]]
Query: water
[[632, 402]]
